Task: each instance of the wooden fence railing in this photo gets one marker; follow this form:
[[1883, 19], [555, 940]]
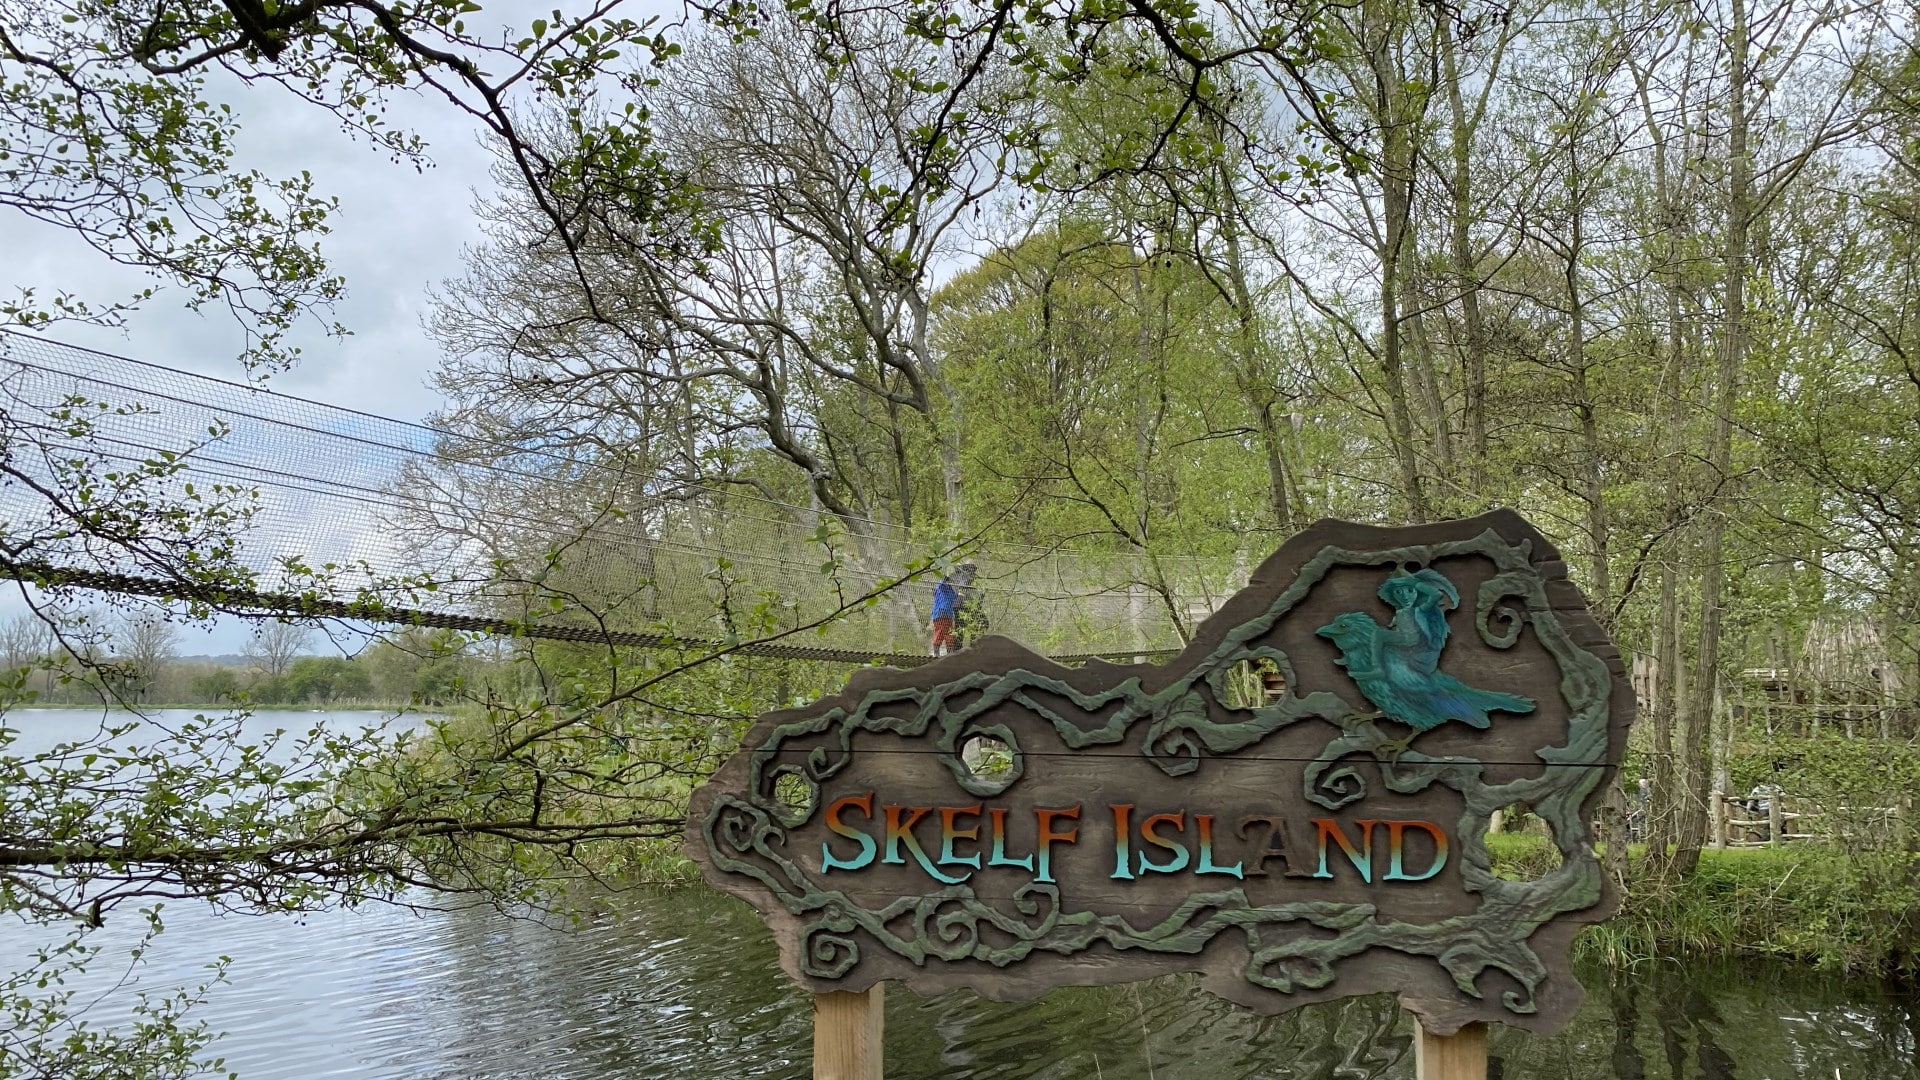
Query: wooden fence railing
[[1774, 820]]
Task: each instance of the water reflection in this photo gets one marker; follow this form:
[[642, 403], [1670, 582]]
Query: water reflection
[[1726, 1022], [685, 985]]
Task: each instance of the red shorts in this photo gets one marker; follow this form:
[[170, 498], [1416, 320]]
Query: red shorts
[[943, 633]]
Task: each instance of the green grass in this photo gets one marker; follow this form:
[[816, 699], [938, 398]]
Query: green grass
[[1858, 911], [1838, 909], [1521, 856]]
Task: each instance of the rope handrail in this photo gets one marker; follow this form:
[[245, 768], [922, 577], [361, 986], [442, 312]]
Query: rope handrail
[[306, 605]]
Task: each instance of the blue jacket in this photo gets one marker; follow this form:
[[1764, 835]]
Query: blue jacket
[[945, 600]]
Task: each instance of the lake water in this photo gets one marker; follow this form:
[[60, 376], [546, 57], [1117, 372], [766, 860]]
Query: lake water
[[684, 984]]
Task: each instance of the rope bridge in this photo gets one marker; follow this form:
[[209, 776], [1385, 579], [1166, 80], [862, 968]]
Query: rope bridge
[[310, 510]]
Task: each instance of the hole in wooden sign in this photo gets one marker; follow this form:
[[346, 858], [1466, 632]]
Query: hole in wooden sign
[[793, 796], [1250, 684], [1520, 844], [987, 757]]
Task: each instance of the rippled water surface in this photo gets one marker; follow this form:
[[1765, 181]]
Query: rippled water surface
[[685, 984]]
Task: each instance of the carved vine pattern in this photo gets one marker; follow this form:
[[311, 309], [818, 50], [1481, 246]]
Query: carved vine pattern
[[746, 835]]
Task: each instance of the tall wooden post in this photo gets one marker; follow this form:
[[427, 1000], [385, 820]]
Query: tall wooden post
[[1717, 820], [1462, 1056], [847, 1030]]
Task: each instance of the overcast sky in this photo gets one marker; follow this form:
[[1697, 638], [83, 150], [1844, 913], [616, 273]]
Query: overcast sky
[[398, 232]]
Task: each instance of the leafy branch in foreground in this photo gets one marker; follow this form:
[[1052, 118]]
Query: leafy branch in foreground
[[212, 808], [50, 1029], [117, 126], [590, 747], [555, 763]]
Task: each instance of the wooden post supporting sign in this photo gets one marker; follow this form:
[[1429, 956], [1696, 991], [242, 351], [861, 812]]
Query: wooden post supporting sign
[[1461, 1056], [847, 1035]]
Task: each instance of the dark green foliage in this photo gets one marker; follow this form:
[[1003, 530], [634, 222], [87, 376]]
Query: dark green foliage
[[216, 686], [1851, 910], [317, 680]]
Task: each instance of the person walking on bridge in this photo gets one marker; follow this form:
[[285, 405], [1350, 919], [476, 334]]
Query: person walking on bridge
[[947, 608]]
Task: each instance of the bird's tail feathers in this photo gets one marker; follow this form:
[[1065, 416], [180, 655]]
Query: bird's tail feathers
[[1471, 706], [1489, 700]]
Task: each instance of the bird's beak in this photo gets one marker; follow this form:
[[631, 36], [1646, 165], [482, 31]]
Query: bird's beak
[[1328, 630]]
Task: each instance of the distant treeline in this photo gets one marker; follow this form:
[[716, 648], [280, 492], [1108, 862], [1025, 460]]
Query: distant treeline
[[136, 663]]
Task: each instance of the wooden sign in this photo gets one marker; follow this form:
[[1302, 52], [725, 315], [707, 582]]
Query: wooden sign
[[1314, 843]]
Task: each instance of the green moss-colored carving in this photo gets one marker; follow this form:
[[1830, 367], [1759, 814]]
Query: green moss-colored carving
[[746, 834]]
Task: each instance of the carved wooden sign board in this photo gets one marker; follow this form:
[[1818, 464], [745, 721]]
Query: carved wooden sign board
[[1147, 819]]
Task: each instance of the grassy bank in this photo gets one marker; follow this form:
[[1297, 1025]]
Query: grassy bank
[[1806, 902]]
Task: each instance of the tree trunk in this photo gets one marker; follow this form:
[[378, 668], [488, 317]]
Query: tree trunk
[[1255, 385], [1664, 700], [1399, 416], [1732, 354], [1272, 441], [1419, 358], [902, 467], [952, 482], [1396, 205], [1592, 481], [1466, 278], [1669, 699]]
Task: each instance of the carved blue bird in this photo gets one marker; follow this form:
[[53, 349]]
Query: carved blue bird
[[1397, 666]]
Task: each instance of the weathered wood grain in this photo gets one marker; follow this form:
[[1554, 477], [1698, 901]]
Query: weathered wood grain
[[1460, 1056], [849, 1031]]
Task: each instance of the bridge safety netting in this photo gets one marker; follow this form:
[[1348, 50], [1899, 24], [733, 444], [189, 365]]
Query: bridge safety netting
[[119, 472]]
